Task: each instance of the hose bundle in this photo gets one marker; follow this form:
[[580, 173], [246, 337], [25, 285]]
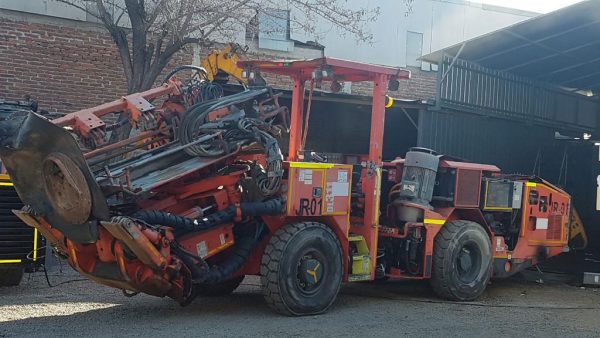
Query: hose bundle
[[197, 116], [244, 242], [183, 225], [238, 130]]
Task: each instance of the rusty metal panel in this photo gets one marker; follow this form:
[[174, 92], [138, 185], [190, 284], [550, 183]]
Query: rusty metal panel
[[468, 188], [554, 231]]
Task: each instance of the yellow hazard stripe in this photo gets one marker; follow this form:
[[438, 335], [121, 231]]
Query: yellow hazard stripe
[[434, 221], [6, 184], [311, 165], [35, 244], [8, 261]]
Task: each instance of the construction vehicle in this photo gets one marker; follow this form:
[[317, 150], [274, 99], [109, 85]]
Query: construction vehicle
[[201, 196], [19, 243]]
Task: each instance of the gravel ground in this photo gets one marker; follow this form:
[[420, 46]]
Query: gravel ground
[[513, 307]]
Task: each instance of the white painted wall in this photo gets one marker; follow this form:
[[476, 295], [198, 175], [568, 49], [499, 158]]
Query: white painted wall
[[442, 23], [44, 7]]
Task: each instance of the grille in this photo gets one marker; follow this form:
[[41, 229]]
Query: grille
[[16, 238], [468, 185], [554, 231]]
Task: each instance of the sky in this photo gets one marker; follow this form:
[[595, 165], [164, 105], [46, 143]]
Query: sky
[[540, 6]]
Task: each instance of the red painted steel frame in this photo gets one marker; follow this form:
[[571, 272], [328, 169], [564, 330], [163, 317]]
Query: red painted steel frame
[[370, 181], [300, 72], [118, 105], [343, 70]]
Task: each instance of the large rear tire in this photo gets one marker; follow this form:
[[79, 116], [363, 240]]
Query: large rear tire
[[11, 276], [220, 289], [301, 270], [462, 261]]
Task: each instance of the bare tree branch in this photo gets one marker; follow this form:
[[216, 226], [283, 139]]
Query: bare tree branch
[[157, 29]]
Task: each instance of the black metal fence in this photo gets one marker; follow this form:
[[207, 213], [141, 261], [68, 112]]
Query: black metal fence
[[466, 86]]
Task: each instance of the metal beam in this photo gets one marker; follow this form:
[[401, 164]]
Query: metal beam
[[453, 61], [547, 37], [593, 74], [412, 121], [556, 51], [572, 66], [549, 56]]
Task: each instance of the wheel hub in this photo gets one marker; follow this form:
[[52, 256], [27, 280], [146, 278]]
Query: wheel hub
[[464, 260], [310, 272], [468, 263]]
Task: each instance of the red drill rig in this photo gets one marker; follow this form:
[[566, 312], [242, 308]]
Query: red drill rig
[[195, 194]]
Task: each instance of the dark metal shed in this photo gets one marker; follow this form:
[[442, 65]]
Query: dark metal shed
[[509, 97], [560, 48]]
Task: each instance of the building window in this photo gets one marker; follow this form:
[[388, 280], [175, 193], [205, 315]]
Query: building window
[[414, 48], [274, 24], [272, 28]]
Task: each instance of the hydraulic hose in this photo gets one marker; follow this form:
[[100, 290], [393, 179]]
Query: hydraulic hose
[[241, 251], [243, 244], [184, 67], [197, 115], [184, 225]]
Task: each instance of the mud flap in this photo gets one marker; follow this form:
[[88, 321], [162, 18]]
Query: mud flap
[[53, 177]]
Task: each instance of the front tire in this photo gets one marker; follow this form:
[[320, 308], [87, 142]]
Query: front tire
[[224, 288], [462, 261], [301, 270], [11, 276]]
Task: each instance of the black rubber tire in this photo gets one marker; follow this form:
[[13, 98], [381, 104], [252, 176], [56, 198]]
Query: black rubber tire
[[280, 264], [11, 276], [445, 277], [220, 289]]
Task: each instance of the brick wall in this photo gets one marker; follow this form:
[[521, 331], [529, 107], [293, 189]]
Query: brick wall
[[65, 66], [69, 65], [421, 86]]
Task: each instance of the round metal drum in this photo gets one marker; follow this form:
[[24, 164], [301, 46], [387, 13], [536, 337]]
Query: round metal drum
[[66, 188]]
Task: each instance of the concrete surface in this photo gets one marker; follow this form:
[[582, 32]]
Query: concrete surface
[[516, 307]]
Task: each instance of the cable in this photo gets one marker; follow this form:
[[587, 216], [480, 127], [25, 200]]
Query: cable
[[196, 118], [61, 283], [43, 266], [477, 304], [210, 91], [308, 108], [240, 130], [199, 70]]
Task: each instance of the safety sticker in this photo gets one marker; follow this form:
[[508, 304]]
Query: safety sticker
[[329, 198], [499, 246], [541, 224], [202, 249], [342, 176], [306, 176], [338, 189]]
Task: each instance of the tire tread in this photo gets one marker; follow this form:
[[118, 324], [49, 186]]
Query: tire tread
[[439, 278], [272, 256]]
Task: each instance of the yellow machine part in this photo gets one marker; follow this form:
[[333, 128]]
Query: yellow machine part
[[361, 260], [225, 60], [578, 239]]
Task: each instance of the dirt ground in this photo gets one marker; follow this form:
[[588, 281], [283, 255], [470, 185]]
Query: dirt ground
[[515, 307]]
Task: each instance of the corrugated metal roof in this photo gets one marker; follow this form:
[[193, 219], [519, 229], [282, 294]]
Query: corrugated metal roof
[[561, 48]]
